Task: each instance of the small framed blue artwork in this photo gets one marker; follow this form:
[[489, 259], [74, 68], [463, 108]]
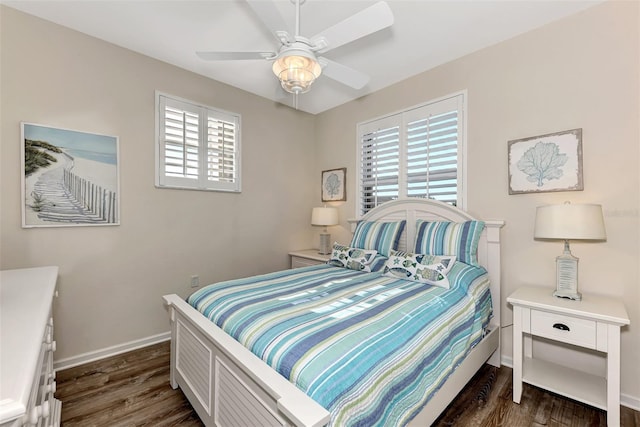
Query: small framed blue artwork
[[544, 163], [334, 185]]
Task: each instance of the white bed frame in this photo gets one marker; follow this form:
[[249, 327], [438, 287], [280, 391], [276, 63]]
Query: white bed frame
[[229, 386]]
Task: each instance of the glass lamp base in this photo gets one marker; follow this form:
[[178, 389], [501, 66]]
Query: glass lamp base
[[567, 276], [325, 245], [568, 295]]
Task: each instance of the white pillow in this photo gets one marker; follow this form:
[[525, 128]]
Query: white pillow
[[352, 258], [423, 268]]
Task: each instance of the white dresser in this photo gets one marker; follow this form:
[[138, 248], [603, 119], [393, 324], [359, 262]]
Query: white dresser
[[27, 379]]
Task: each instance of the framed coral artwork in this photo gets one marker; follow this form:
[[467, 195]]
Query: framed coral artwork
[[551, 162], [334, 187]]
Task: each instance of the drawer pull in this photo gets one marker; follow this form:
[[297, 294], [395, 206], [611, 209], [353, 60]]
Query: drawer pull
[[561, 326], [50, 388], [38, 412]]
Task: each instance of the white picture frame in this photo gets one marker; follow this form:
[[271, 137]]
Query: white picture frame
[[69, 177]]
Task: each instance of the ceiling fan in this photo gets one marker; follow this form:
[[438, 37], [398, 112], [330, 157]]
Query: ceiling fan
[[295, 62]]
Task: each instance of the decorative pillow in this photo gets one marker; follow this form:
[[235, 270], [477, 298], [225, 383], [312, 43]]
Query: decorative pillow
[[419, 268], [378, 263], [449, 238], [353, 258], [381, 236]]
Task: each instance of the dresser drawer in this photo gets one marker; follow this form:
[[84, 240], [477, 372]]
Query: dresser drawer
[[26, 359], [564, 328]]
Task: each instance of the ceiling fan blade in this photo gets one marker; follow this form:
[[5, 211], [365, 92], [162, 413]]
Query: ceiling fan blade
[[268, 13], [343, 74], [368, 21], [231, 56]]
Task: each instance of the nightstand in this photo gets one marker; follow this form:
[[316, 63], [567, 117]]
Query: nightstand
[[592, 323], [307, 257]]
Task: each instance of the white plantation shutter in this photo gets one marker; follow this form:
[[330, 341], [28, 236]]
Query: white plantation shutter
[[379, 163], [180, 142], [198, 147], [414, 153], [433, 138], [221, 150]]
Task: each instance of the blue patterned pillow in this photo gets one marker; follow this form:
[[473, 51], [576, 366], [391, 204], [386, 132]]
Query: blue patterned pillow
[[381, 236], [449, 238], [423, 268], [378, 263], [352, 258]]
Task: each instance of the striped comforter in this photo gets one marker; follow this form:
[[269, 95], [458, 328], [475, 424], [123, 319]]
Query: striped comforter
[[369, 348]]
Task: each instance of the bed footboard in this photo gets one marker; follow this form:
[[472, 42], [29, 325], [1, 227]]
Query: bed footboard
[[227, 384]]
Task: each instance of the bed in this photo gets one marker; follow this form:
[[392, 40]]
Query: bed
[[228, 385]]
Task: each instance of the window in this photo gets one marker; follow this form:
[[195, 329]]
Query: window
[[197, 147], [414, 153]]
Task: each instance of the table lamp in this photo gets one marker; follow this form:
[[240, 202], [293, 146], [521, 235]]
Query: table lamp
[[324, 216], [569, 222]]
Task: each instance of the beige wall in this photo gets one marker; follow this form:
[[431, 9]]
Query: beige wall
[[580, 72], [112, 278]]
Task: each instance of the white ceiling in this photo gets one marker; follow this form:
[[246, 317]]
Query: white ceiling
[[424, 35]]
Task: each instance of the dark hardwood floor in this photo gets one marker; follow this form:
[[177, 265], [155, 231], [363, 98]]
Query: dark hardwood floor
[[133, 389]]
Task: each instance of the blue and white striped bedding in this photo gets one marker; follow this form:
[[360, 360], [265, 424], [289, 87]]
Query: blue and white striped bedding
[[369, 348]]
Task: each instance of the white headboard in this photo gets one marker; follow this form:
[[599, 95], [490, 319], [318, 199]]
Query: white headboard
[[433, 210]]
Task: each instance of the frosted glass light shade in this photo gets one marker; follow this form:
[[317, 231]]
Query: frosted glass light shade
[[324, 216], [570, 222], [296, 71]]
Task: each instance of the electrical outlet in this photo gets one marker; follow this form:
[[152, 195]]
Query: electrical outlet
[[195, 281]]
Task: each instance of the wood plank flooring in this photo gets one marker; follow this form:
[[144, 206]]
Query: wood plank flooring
[[133, 389]]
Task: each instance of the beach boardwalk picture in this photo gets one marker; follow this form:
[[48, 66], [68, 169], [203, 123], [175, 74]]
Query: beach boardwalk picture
[[70, 177]]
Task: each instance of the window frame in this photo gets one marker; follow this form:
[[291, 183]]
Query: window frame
[[401, 118], [204, 112]]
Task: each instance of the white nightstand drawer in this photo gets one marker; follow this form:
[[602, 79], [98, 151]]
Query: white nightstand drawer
[[563, 328], [307, 257], [297, 262]]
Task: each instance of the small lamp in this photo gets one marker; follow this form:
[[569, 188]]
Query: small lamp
[[569, 222], [324, 216]]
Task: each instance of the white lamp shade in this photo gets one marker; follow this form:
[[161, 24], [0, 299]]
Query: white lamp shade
[[570, 222], [324, 216]]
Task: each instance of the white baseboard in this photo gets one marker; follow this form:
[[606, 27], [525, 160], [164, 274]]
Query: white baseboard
[[506, 361], [92, 356], [630, 401], [625, 399]]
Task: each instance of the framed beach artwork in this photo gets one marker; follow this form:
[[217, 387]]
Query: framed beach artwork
[[69, 178], [551, 162], [334, 187]]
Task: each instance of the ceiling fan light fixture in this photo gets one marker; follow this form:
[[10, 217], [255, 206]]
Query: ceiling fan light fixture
[[296, 71]]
